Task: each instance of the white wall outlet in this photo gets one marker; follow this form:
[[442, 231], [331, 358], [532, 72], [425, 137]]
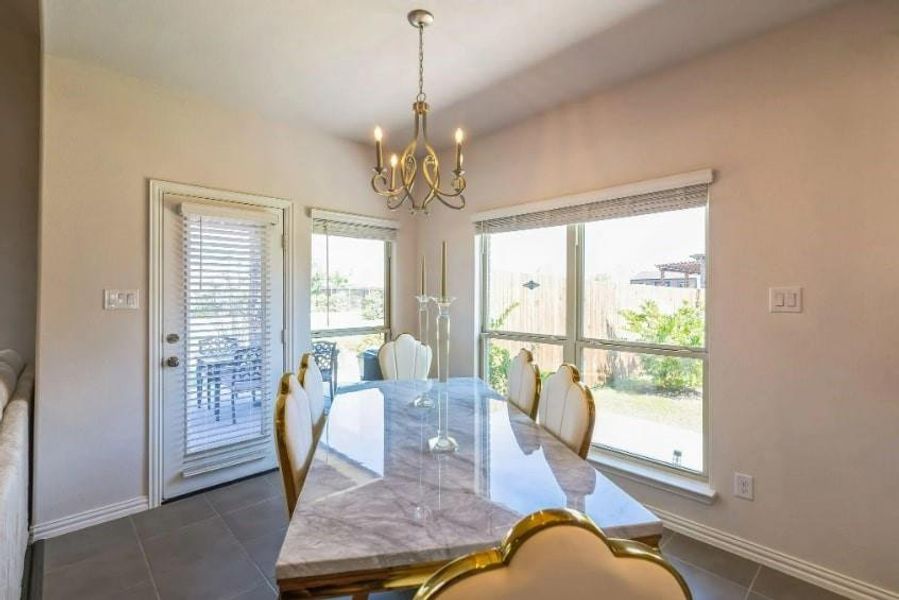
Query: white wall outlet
[[785, 299], [121, 299], [743, 486]]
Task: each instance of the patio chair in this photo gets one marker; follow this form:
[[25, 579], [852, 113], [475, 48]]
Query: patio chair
[[215, 366], [246, 374], [325, 355]]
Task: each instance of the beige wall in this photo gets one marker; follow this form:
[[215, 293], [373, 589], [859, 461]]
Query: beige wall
[[19, 157], [105, 135], [801, 126]]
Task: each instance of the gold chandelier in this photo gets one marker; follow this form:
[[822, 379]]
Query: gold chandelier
[[418, 160]]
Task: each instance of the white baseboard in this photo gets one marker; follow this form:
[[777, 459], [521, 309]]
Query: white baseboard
[[94, 516], [775, 559]]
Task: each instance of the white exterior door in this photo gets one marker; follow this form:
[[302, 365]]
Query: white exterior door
[[223, 345]]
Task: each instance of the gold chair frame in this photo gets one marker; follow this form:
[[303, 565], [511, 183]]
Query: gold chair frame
[[291, 490], [591, 409], [495, 558], [536, 404], [396, 337], [301, 377]]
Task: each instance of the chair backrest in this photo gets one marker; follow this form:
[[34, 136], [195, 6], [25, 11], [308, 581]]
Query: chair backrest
[[558, 553], [293, 436], [13, 359], [311, 379], [524, 383], [405, 358], [325, 354], [567, 410], [246, 371]]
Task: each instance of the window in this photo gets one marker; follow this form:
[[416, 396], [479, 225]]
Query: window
[[350, 288], [616, 287], [526, 305]]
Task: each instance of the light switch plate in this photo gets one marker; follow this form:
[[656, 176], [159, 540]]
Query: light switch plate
[[121, 299], [786, 299]]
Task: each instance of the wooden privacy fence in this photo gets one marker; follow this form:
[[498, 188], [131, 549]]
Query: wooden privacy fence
[[540, 309]]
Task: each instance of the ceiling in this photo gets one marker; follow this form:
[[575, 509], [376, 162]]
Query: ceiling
[[346, 65]]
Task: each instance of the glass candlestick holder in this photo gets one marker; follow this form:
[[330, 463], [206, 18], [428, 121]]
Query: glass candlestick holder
[[442, 443], [424, 335], [443, 337], [424, 399]]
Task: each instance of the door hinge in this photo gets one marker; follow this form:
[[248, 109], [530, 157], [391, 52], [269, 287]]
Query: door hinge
[[283, 336], [283, 241]]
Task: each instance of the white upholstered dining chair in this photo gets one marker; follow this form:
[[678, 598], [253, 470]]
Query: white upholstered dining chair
[[293, 436], [558, 553], [567, 410], [311, 379], [405, 358], [524, 383]]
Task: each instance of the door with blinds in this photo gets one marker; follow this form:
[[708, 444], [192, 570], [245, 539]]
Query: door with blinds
[[222, 305]]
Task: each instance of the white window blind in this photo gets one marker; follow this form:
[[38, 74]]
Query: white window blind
[[655, 202], [348, 225], [672, 193], [227, 326]]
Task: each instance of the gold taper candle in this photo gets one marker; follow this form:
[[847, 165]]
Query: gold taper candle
[[379, 156], [443, 272], [393, 162], [423, 286]]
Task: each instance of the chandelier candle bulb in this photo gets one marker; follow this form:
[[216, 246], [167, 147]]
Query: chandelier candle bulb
[[393, 162], [459, 137], [379, 156]]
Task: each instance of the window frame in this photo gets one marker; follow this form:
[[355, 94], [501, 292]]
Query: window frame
[[575, 341], [385, 329]]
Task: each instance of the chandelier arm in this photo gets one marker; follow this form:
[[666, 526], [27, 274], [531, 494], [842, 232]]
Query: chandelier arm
[[384, 189], [453, 194], [393, 203], [448, 204]]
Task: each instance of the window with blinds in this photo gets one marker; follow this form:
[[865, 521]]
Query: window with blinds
[[227, 336], [350, 289], [615, 282]]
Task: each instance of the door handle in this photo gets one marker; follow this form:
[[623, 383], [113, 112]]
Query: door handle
[[172, 361]]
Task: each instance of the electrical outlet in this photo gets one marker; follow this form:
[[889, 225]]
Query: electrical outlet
[[743, 486]]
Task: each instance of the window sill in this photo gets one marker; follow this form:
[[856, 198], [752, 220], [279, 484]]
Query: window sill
[[659, 479]]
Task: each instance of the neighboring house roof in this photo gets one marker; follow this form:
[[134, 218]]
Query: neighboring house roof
[[689, 267]]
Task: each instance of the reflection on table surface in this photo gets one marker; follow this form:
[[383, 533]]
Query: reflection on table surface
[[376, 495]]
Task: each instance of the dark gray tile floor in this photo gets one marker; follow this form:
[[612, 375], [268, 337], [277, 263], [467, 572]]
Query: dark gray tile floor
[[222, 545]]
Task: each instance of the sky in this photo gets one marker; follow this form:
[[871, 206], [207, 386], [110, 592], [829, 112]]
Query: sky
[[619, 248], [362, 261]]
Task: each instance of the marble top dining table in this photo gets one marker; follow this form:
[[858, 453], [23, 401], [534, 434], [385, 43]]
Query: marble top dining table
[[380, 510]]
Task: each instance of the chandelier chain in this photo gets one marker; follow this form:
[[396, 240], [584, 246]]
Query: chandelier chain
[[421, 65]]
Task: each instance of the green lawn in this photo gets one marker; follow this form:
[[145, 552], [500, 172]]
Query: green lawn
[[680, 411]]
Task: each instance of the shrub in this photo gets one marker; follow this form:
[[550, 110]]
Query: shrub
[[499, 359], [683, 327]]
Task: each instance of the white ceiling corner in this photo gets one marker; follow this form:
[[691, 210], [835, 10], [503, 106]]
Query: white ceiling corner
[[349, 64]]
